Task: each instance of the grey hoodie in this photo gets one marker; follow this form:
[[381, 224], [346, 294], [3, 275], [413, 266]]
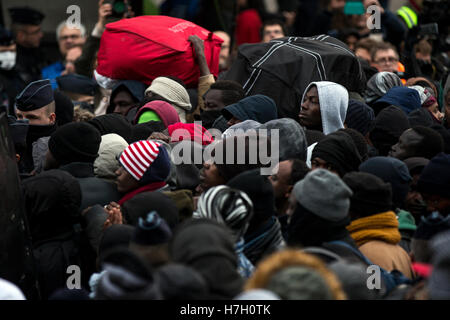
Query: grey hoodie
[[333, 99]]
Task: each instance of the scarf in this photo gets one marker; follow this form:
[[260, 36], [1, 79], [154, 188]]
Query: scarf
[[381, 226], [263, 241], [149, 187], [245, 267]]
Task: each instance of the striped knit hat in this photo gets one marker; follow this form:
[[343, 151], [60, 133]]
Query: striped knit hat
[[227, 206], [147, 161]]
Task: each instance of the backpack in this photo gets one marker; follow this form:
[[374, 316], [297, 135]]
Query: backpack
[[391, 279]]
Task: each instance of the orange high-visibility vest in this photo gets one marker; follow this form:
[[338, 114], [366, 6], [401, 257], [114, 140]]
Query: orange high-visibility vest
[[401, 72]]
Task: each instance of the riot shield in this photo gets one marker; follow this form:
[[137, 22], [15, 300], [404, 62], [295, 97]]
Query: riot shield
[[16, 258]]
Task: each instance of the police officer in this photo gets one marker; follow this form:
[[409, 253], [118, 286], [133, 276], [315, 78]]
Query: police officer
[[80, 89], [36, 103]]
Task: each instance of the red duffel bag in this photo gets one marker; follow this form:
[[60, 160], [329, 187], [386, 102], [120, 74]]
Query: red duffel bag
[[147, 47]]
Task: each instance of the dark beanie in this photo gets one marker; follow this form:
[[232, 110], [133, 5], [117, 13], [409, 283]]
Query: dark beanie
[[260, 191], [435, 177], [152, 230], [371, 195], [420, 117], [359, 116], [75, 142], [393, 171], [339, 150], [118, 235], [181, 282], [113, 123]]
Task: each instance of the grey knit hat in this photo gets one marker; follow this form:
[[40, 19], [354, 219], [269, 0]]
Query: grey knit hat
[[299, 283], [324, 194]]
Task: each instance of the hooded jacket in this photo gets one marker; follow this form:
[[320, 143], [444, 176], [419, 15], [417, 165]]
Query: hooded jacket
[[292, 139], [258, 107], [126, 276], [208, 247], [135, 88], [379, 84], [406, 98], [164, 110], [333, 100], [106, 164], [52, 200]]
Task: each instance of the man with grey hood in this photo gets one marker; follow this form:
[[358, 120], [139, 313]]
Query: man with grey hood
[[324, 107]]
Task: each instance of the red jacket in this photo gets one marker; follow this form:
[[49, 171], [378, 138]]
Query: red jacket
[[248, 27]]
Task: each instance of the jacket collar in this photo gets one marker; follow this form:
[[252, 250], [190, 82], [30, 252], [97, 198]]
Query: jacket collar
[[79, 169]]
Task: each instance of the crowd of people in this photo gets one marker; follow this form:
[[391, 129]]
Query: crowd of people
[[361, 181]]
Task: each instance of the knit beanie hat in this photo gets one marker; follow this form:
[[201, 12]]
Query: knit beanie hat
[[152, 230], [324, 194], [127, 277], [292, 138], [173, 92], [113, 123], [406, 221], [259, 189], [393, 171], [147, 161], [339, 150], [353, 277], [190, 131], [371, 195], [118, 235], [75, 142], [359, 116], [435, 177], [420, 117], [227, 206], [299, 283], [181, 282]]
